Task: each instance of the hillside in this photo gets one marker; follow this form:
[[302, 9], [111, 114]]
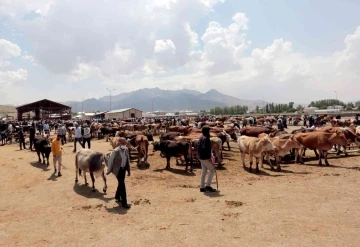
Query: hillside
[[164, 100]]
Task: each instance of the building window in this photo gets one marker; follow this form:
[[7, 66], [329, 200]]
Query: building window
[[132, 115]]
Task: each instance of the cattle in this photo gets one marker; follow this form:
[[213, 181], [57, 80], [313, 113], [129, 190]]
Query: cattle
[[5, 137], [114, 142], [140, 127], [142, 145], [185, 130], [357, 130], [254, 147], [216, 146], [43, 147], [322, 141], [174, 149], [169, 136], [255, 131], [87, 160], [349, 135], [283, 146], [133, 135]]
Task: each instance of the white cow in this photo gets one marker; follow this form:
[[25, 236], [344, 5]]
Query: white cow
[[254, 147], [87, 160]]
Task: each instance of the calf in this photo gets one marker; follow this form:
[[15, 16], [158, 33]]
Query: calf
[[283, 146], [254, 147], [322, 141], [170, 136], [174, 149], [90, 161], [43, 147], [142, 146]]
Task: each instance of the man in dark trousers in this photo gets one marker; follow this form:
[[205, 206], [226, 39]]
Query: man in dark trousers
[[32, 136], [118, 164], [21, 138]]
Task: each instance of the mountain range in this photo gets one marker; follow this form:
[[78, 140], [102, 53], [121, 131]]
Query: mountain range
[[156, 99]]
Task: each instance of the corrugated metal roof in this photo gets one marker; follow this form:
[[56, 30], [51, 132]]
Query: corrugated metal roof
[[119, 110]]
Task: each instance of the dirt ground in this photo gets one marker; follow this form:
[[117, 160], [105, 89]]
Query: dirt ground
[[303, 205]]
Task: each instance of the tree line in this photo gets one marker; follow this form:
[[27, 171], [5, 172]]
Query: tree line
[[280, 108]]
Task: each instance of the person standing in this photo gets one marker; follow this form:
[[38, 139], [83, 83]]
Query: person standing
[[204, 155], [62, 133], [78, 136], [86, 136], [21, 138], [118, 164], [32, 136], [46, 128], [57, 154], [244, 122]]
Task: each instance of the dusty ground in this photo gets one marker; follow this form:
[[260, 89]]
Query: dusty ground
[[304, 205]]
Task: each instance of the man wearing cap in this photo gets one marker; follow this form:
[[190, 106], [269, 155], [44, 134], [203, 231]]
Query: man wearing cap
[[78, 136], [57, 154], [118, 164]]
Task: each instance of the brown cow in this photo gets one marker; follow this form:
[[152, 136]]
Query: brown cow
[[322, 141], [142, 146], [183, 129], [254, 147], [255, 131], [283, 146]]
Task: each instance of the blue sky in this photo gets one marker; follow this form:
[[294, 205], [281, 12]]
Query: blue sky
[[66, 50]]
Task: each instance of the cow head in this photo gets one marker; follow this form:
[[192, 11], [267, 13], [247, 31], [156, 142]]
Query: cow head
[[291, 143], [266, 144], [156, 146], [339, 138]]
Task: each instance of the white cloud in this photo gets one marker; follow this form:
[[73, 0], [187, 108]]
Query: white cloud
[[13, 78], [143, 43], [8, 50]]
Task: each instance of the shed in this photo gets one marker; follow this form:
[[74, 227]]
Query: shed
[[125, 113]]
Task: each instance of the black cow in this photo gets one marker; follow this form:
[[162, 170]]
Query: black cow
[[170, 136], [42, 145], [174, 149], [4, 136]]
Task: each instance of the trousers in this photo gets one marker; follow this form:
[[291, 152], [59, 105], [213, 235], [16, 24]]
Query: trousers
[[205, 166], [86, 140], [57, 159], [75, 141], [22, 143], [121, 188]]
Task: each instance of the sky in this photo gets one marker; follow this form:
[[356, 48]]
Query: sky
[[279, 50]]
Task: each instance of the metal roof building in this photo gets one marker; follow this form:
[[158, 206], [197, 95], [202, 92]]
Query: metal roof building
[[124, 113], [43, 109]]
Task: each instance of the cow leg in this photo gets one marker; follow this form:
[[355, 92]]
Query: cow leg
[[187, 162], [86, 183], [228, 144], [251, 162], [301, 151], [278, 161], [346, 153], [257, 164], [43, 156], [243, 159], [316, 154], [320, 163], [38, 154], [296, 151], [93, 181], [104, 178], [325, 157], [167, 162]]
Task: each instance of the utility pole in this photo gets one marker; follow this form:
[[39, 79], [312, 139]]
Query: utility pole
[[152, 106], [110, 96], [82, 105]]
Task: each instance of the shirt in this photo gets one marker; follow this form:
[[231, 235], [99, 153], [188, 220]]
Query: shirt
[[46, 127], [56, 147], [87, 132], [119, 158], [204, 148], [62, 130], [78, 132]]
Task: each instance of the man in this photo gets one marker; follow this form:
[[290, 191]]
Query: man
[[40, 128], [32, 136], [204, 155], [78, 136], [46, 128], [87, 136], [56, 151], [118, 164], [62, 133], [21, 138]]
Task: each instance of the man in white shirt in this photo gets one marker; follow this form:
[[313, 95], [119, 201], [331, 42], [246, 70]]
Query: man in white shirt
[[87, 135], [78, 136], [46, 128]]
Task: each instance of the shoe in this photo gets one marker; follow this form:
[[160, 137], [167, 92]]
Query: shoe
[[59, 174], [210, 189], [202, 190], [126, 206]]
